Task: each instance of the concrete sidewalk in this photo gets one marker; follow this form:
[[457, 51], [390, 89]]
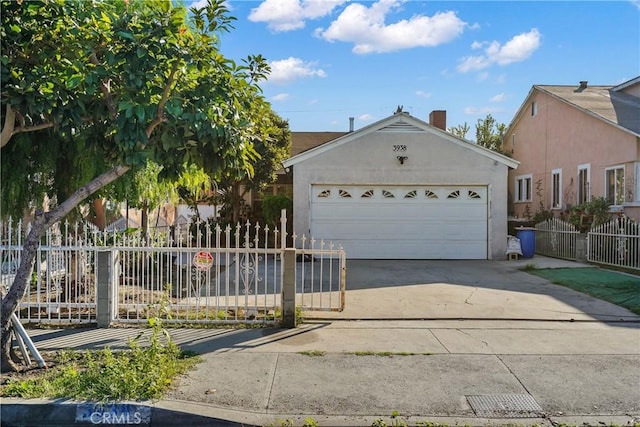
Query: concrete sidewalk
[[461, 343]]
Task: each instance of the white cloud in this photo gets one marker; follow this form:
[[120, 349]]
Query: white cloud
[[423, 94], [517, 49], [365, 117], [290, 69], [199, 4], [365, 27], [501, 97], [280, 97], [483, 110], [289, 15]]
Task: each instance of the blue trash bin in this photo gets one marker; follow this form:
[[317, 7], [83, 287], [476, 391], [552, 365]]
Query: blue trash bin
[[527, 238]]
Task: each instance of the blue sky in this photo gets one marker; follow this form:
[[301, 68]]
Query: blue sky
[[335, 59]]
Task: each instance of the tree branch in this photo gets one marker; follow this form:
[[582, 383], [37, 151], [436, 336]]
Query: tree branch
[[163, 101], [104, 87], [9, 125], [9, 128]]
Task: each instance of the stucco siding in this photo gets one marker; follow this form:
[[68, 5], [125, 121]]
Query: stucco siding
[[562, 137], [430, 159]]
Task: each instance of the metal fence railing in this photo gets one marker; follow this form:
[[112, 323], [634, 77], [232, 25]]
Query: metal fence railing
[[556, 238], [615, 243], [62, 285], [195, 273]]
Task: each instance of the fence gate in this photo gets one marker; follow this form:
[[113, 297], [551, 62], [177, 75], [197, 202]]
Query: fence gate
[[229, 276], [556, 238], [616, 243], [321, 270]]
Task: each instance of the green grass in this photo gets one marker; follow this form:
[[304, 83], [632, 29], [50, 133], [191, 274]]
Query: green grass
[[617, 288], [134, 374]]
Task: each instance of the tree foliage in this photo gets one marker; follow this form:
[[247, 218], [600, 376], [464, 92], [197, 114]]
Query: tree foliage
[[273, 147], [460, 131], [93, 90], [489, 134]]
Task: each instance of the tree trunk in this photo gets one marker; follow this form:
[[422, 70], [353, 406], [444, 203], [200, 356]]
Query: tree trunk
[[100, 219], [42, 222]]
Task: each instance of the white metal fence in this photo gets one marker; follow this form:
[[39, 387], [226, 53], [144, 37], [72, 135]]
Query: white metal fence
[[62, 286], [556, 238], [616, 243], [197, 274]]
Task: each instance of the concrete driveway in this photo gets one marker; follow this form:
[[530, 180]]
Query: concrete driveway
[[474, 290]]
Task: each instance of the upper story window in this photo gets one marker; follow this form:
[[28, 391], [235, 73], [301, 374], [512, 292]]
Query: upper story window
[[523, 188], [584, 178], [614, 185], [556, 189], [534, 108]]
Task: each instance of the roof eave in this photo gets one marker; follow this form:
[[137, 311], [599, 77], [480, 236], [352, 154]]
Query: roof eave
[[507, 161]]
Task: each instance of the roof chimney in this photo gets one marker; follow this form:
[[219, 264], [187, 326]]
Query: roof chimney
[[583, 84], [350, 124], [438, 118]]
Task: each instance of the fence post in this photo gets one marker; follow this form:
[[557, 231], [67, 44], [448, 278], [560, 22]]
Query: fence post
[[581, 247], [289, 289], [283, 228], [106, 292]]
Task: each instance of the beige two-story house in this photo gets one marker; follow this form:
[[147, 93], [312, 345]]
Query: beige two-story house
[[575, 143]]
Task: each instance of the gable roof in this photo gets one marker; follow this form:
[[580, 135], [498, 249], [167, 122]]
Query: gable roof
[[607, 103], [399, 122], [303, 141]]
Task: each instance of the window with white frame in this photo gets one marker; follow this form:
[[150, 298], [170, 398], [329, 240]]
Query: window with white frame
[[534, 108], [556, 189], [614, 185], [523, 188], [584, 178]]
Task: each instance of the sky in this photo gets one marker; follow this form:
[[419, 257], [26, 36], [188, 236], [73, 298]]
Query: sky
[[335, 59]]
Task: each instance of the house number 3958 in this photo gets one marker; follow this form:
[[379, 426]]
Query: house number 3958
[[399, 148]]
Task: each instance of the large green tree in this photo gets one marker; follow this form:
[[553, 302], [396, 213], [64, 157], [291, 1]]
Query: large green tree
[[105, 87]]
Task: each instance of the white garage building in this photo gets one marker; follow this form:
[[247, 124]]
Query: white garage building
[[402, 188]]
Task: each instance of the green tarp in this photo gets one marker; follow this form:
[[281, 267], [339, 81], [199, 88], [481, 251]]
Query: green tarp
[[617, 288]]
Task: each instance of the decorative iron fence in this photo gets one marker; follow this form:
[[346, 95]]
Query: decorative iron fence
[[62, 286], [556, 238], [196, 274], [616, 243]]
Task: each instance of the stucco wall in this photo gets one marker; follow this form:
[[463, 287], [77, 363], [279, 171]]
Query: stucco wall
[[562, 137], [431, 160]]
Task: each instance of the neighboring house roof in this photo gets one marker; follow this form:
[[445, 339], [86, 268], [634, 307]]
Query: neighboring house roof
[[607, 103], [303, 141], [399, 122]]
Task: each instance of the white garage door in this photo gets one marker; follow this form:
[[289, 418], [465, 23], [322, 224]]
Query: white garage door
[[402, 222]]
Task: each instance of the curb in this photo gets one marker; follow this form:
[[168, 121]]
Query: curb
[[169, 413]]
